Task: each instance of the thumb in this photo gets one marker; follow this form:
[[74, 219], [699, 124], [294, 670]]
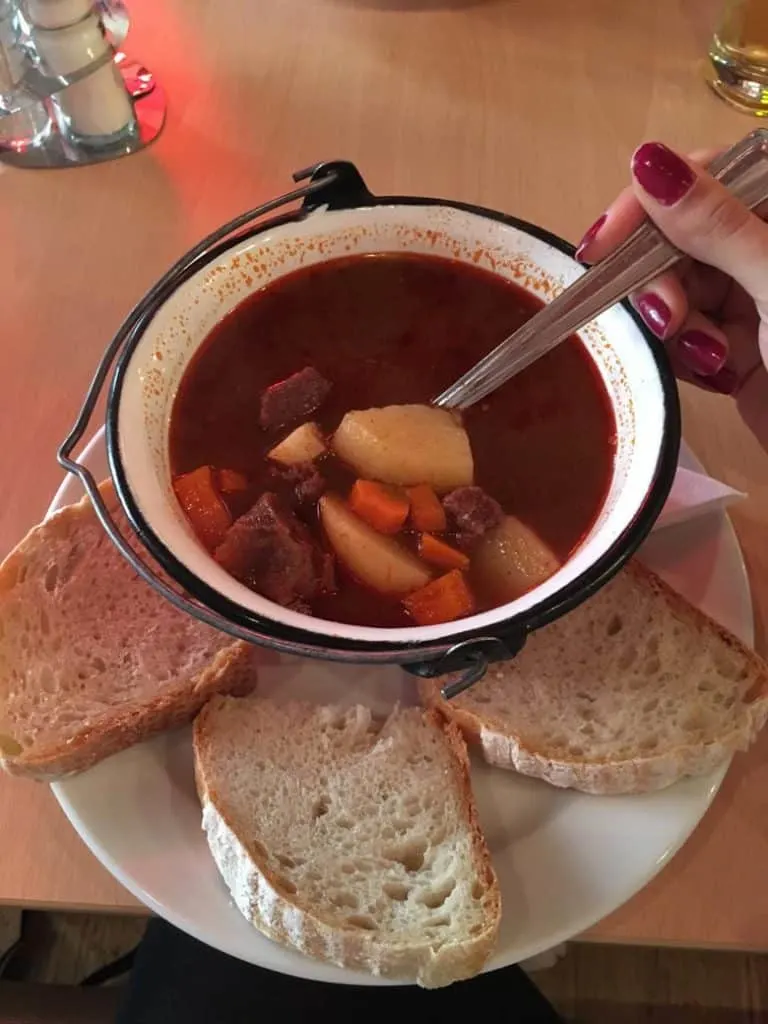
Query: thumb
[[702, 218]]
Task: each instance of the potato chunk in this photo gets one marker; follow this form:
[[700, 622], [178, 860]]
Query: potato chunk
[[374, 559], [510, 560], [406, 445], [303, 444]]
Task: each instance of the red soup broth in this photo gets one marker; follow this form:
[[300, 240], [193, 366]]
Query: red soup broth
[[395, 329]]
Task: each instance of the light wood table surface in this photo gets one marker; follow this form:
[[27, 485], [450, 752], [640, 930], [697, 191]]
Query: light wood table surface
[[528, 106]]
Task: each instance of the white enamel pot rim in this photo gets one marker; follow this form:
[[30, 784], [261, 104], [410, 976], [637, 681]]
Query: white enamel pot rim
[[338, 216]]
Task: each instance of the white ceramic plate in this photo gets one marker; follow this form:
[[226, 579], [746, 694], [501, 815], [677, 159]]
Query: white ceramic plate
[[565, 860]]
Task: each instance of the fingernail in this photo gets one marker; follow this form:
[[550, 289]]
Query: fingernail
[[655, 312], [590, 236], [663, 175], [725, 381], [702, 353]]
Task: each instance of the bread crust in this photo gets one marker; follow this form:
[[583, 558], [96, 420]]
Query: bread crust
[[289, 920], [231, 670], [640, 774]]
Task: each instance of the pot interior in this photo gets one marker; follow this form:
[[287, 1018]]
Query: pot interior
[[614, 342]]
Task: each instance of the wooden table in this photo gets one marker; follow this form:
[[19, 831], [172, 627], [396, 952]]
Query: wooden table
[[527, 106]]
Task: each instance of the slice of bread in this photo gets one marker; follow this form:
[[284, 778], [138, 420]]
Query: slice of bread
[[350, 838], [92, 660], [628, 693]]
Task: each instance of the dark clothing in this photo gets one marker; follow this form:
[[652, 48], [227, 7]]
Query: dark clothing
[[177, 979]]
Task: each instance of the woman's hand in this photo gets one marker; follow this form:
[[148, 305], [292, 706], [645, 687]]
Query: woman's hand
[[712, 312]]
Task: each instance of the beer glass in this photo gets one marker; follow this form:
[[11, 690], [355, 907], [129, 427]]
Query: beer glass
[[738, 56]]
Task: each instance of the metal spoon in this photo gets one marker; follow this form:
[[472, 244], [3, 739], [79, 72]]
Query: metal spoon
[[743, 169]]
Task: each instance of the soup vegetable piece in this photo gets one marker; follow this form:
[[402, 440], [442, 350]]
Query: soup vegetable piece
[[312, 467], [205, 507], [384, 508], [303, 445], [427, 512], [510, 559], [374, 559], [406, 444]]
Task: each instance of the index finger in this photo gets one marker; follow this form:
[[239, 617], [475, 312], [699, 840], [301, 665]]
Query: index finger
[[622, 217]]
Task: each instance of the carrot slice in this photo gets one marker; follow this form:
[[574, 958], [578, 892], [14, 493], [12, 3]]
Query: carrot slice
[[209, 516], [442, 600], [383, 508], [439, 553], [427, 513], [232, 482]]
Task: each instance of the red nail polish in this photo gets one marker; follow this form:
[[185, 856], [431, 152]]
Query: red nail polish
[[590, 236], [656, 313], [663, 175], [702, 353], [726, 381]]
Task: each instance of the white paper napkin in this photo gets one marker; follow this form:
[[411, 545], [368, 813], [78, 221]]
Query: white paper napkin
[[693, 495]]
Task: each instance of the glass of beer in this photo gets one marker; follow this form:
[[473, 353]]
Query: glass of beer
[[738, 56]]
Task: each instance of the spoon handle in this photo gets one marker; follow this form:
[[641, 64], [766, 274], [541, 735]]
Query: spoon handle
[[743, 169]]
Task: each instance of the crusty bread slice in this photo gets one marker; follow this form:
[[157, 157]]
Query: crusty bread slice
[[350, 838], [92, 660], [628, 693]]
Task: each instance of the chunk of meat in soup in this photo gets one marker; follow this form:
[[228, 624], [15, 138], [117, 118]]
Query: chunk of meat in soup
[[293, 399], [269, 549], [307, 481], [471, 513]]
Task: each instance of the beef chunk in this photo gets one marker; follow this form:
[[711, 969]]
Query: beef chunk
[[293, 399], [308, 483], [270, 550], [472, 513]]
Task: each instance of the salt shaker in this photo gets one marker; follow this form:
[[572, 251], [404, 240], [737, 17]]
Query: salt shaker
[[24, 121], [95, 110], [67, 98]]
